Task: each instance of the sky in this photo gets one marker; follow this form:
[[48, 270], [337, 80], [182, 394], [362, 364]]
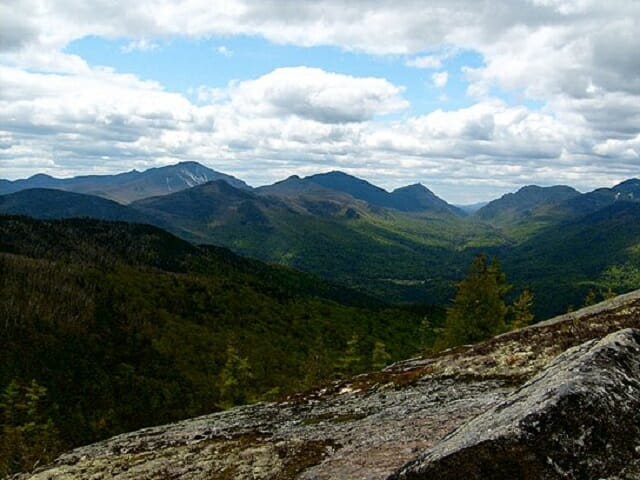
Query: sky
[[471, 98]]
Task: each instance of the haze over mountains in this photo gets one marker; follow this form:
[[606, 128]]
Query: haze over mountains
[[404, 245]]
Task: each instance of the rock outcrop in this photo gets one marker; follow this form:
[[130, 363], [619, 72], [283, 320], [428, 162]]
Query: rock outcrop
[[556, 400], [579, 418]]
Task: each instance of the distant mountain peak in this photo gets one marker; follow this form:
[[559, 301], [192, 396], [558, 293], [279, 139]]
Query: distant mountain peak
[[630, 187], [133, 185], [629, 182], [192, 177], [40, 176], [340, 176], [416, 198], [411, 198], [354, 186], [414, 187], [336, 173], [526, 202]]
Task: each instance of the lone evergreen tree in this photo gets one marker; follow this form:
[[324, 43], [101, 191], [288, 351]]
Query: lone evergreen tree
[[351, 361], [235, 379], [521, 310], [379, 356], [478, 310]]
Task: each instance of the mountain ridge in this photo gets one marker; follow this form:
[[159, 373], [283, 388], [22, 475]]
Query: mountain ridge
[[128, 186], [410, 198], [527, 201], [194, 173], [399, 255], [49, 203]]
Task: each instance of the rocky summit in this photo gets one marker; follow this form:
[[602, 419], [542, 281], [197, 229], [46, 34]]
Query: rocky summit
[[557, 400]]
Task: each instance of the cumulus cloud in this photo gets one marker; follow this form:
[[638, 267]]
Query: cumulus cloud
[[576, 58], [264, 129], [314, 94], [108, 121]]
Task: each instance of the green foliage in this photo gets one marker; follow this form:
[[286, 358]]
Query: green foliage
[[351, 361], [622, 277], [478, 310], [235, 378], [521, 310], [562, 262], [591, 298], [127, 326], [379, 356], [29, 436]]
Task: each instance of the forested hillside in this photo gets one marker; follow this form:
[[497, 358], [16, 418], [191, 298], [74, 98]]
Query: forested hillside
[[404, 246], [114, 326]]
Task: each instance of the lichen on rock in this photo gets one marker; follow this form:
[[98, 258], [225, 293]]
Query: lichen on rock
[[579, 418]]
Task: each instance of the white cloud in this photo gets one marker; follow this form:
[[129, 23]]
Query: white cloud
[[265, 129], [426, 62], [440, 79], [141, 45], [317, 95], [579, 59], [224, 51], [626, 149]]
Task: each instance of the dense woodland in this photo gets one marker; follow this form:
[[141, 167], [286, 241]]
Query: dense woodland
[[108, 327]]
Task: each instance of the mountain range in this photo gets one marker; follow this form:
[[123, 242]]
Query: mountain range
[[129, 186], [407, 245], [142, 311]]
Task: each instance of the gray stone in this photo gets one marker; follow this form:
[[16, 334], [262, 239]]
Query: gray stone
[[578, 419]]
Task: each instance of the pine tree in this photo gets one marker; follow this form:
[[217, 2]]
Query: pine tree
[[351, 361], [478, 310], [379, 356], [591, 298], [27, 436], [235, 378], [521, 310]]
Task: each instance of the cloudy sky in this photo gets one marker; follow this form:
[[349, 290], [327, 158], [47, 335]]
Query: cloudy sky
[[471, 98]]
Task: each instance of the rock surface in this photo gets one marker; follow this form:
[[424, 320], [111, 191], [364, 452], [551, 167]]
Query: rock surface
[[579, 418], [526, 402]]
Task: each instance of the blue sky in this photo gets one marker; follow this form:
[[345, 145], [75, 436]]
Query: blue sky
[[472, 98], [183, 64]]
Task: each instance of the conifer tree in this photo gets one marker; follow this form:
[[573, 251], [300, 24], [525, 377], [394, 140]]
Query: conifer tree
[[27, 436], [591, 298], [351, 361], [478, 310], [521, 310], [379, 356], [235, 378]]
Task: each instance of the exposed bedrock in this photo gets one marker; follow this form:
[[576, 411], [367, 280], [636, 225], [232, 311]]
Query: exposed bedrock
[[577, 419]]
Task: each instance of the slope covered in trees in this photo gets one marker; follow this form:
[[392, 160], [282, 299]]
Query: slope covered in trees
[[400, 246], [124, 325]]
